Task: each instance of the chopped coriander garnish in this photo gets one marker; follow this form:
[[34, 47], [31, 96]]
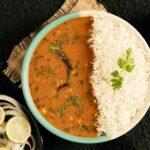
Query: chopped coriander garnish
[[82, 128], [65, 39], [62, 110], [76, 102], [58, 45], [55, 47], [128, 63], [117, 80], [49, 69], [75, 38]]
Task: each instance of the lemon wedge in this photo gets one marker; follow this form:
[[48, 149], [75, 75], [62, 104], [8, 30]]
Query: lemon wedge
[[18, 129], [2, 115]]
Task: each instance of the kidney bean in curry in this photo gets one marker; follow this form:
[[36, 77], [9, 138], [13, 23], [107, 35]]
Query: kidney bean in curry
[[59, 78]]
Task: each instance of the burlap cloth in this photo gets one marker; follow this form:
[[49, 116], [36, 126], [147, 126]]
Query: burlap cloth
[[14, 63]]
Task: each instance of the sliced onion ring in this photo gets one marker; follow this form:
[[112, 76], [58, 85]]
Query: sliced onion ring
[[10, 100], [8, 107]]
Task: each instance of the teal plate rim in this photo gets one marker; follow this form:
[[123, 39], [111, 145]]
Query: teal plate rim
[[25, 85]]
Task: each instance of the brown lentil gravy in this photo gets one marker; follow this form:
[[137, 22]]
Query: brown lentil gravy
[[59, 78]]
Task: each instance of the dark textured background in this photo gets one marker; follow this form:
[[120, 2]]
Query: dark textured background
[[19, 17]]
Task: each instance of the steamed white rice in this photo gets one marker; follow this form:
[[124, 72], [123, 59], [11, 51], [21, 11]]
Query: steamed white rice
[[110, 40]]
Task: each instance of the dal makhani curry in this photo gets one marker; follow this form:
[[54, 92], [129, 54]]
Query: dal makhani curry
[[59, 78]]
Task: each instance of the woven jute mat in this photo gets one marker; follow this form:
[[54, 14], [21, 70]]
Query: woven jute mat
[[14, 63]]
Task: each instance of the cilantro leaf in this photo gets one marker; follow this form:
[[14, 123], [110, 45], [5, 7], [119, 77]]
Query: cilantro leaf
[[130, 67], [121, 63], [128, 63], [115, 73], [117, 81]]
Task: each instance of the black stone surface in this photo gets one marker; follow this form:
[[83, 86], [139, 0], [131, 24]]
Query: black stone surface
[[19, 17]]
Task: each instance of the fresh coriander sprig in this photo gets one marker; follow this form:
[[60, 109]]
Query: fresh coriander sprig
[[117, 80], [127, 65]]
